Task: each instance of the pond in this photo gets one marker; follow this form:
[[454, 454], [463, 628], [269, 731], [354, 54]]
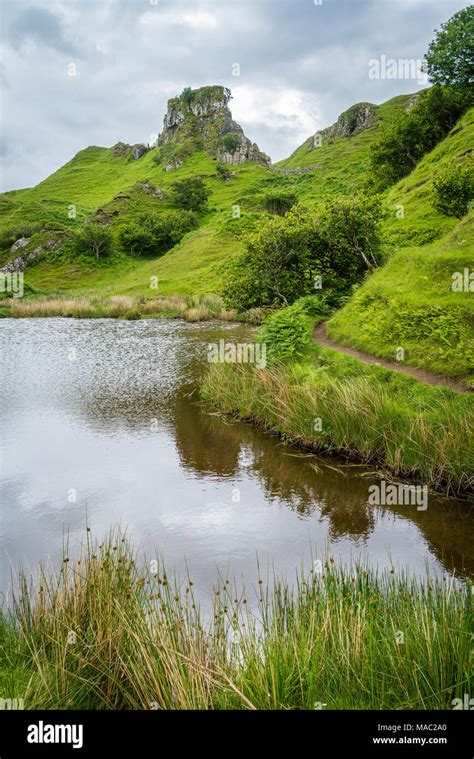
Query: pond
[[102, 425]]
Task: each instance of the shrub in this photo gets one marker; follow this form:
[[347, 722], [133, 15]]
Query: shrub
[[190, 194], [12, 234], [94, 239], [453, 190], [230, 142], [287, 334], [155, 233], [338, 243], [279, 202], [223, 172], [415, 133]]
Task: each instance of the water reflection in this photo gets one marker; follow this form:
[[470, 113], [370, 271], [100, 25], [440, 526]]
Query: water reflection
[[120, 427]]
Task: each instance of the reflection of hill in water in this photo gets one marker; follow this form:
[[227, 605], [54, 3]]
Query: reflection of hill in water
[[208, 446]]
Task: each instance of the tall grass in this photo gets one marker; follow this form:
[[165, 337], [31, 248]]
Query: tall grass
[[108, 632], [191, 308], [413, 431]]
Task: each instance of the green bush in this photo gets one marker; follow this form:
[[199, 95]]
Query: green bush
[[279, 202], [291, 256], [415, 133], [230, 142], [155, 233], [12, 234], [287, 334], [94, 240], [453, 190], [190, 194], [222, 172]]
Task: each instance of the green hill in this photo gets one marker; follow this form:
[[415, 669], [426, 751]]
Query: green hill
[[410, 302], [112, 185]]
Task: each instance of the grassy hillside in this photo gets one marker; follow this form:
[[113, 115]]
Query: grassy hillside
[[409, 302], [97, 181]]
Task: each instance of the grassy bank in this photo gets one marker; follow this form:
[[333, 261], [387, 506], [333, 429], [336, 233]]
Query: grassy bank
[[191, 308], [336, 404], [109, 631]]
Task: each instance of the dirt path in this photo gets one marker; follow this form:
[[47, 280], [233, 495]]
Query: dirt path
[[428, 378]]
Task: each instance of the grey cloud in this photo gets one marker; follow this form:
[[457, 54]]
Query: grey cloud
[[42, 26]]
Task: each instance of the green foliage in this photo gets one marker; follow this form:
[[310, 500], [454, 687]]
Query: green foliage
[[279, 202], [230, 142], [94, 240], [11, 234], [154, 233], [453, 190], [190, 194], [287, 333], [450, 57], [290, 256], [415, 133], [187, 96], [222, 172]]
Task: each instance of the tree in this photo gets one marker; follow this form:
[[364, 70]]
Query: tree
[[190, 194], [453, 190], [295, 255], [230, 142], [450, 57], [94, 239], [155, 233]]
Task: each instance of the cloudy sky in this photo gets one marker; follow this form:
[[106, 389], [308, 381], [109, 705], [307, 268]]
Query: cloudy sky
[[92, 72]]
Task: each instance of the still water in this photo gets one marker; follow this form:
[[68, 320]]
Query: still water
[[101, 425]]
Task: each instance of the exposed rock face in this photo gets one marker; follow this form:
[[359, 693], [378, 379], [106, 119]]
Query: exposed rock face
[[351, 122], [19, 263], [19, 244], [135, 151], [202, 119]]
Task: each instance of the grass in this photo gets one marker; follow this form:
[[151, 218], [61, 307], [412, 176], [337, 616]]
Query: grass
[[366, 413], [111, 631], [192, 308], [409, 303]]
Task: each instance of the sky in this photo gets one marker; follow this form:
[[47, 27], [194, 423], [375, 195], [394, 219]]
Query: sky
[[75, 73]]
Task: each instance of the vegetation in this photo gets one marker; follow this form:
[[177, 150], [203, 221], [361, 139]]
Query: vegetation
[[111, 631], [154, 233], [450, 57], [365, 413], [454, 191], [279, 202], [95, 240], [190, 194], [291, 256]]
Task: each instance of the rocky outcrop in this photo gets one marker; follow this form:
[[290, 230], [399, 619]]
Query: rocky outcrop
[[201, 119], [351, 122], [19, 263], [134, 151]]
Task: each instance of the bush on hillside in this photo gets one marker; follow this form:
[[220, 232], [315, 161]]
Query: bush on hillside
[[190, 194], [453, 191], [415, 133], [305, 251], [94, 240], [230, 142], [155, 233]]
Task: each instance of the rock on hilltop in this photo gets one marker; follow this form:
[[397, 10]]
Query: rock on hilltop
[[201, 119]]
